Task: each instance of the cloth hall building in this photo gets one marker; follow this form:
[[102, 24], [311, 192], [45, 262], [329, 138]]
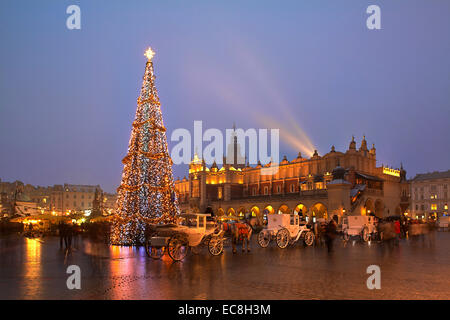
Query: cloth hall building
[[337, 183]]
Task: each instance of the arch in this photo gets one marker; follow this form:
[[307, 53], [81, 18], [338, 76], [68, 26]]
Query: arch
[[220, 212], [231, 212], [270, 209], [300, 209], [319, 211], [369, 207], [267, 210], [255, 211], [241, 212], [283, 209], [379, 208]]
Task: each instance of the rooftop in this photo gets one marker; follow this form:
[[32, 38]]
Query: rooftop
[[432, 175]]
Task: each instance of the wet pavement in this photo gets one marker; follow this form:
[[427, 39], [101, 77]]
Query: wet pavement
[[36, 269]]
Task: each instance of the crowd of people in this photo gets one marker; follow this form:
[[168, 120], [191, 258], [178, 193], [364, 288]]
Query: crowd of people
[[390, 229]]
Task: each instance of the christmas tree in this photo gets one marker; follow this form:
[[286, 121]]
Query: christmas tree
[[146, 194]]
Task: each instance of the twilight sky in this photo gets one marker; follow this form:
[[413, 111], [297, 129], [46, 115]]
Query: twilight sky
[[68, 97]]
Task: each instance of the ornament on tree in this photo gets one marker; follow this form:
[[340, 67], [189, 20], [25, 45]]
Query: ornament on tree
[[146, 194]]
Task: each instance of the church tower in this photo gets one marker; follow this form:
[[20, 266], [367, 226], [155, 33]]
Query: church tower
[[234, 156]]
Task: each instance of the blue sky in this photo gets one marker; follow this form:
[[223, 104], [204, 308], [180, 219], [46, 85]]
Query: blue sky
[[68, 97]]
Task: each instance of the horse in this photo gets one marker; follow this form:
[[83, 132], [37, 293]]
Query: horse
[[238, 231], [256, 223], [320, 232]]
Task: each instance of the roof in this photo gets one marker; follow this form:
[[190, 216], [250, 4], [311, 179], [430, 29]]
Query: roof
[[432, 175], [81, 188], [369, 177], [358, 187]]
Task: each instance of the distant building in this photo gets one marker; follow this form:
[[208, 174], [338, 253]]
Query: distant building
[[16, 197], [109, 203], [72, 198], [430, 194], [104, 203]]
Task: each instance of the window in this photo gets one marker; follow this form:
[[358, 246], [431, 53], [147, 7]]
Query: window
[[434, 206], [278, 189], [74, 196], [254, 191], [422, 207], [445, 207], [266, 190], [417, 207], [292, 188], [219, 193]]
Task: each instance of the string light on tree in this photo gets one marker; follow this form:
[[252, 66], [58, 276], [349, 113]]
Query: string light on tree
[[146, 194]]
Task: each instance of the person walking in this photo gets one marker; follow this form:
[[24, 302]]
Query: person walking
[[330, 234], [397, 231], [69, 235], [30, 230], [61, 231]]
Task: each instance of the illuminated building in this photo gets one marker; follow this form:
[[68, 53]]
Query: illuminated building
[[70, 198], [430, 194], [338, 183]]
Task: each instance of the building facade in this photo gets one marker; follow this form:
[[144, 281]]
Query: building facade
[[341, 183], [18, 198], [69, 198], [430, 195]]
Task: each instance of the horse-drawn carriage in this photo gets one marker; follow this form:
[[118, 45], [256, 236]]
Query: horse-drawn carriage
[[285, 229], [358, 226], [191, 231]]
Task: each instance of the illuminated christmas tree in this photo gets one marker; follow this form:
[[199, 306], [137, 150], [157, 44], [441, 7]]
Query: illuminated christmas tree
[[146, 194]]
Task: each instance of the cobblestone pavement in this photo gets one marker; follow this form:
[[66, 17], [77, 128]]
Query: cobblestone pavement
[[36, 269]]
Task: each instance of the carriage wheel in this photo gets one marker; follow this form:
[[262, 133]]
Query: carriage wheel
[[155, 253], [152, 252], [283, 238], [215, 246], [365, 235], [309, 238], [263, 239], [177, 248]]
